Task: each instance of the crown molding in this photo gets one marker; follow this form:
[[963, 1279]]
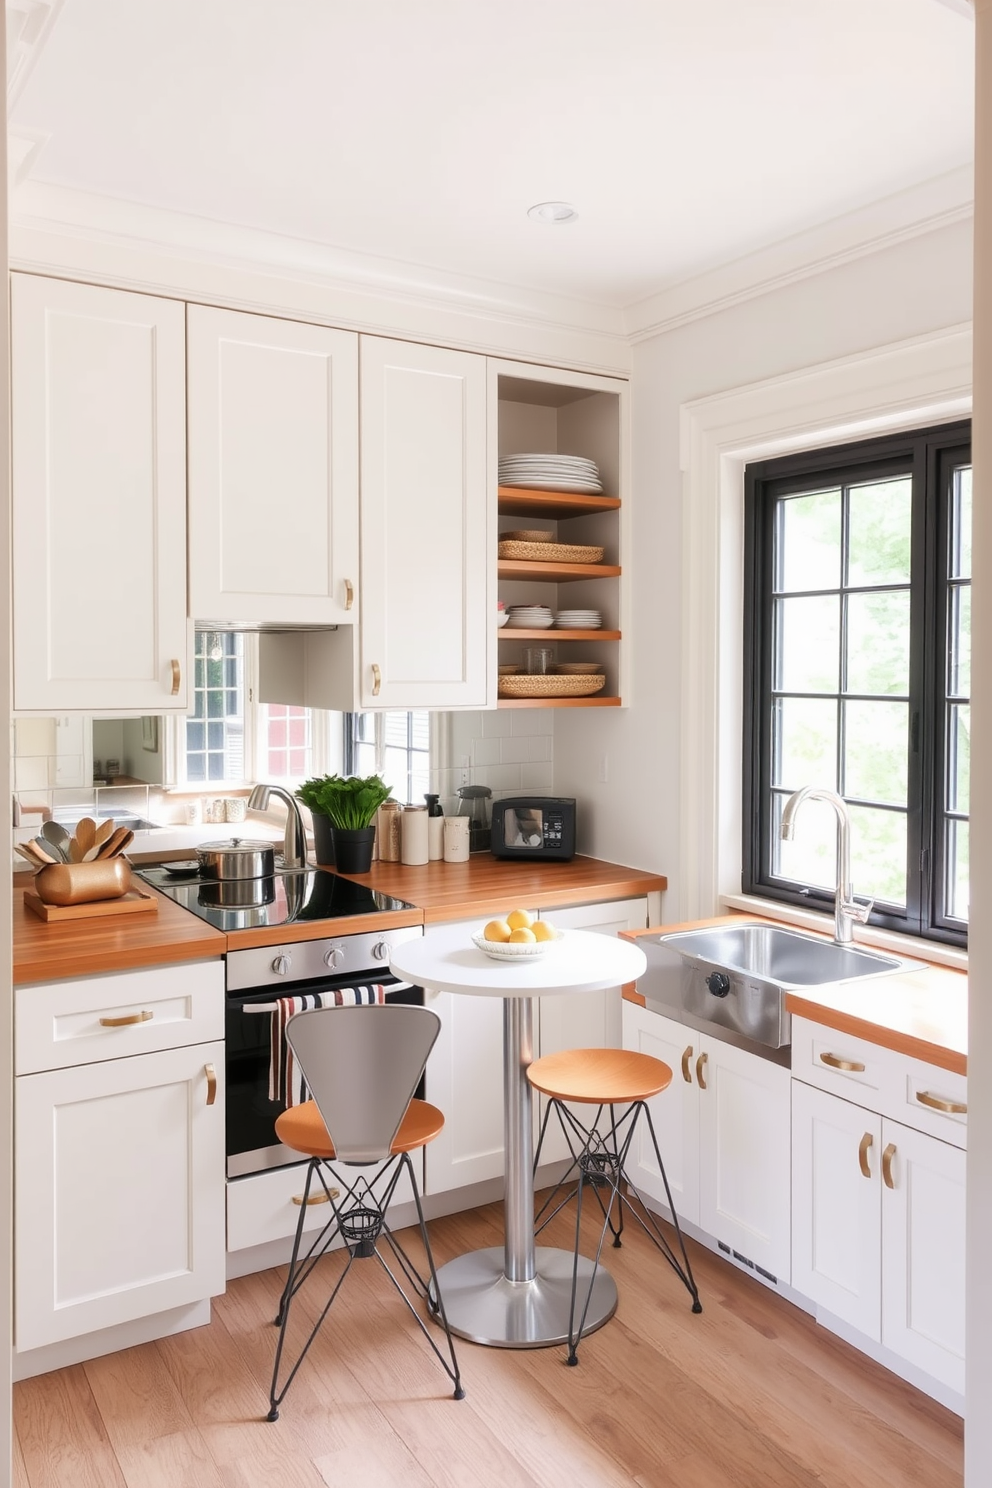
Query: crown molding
[[909, 214]]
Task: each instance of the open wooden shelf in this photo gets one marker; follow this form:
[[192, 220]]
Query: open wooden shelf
[[554, 573], [559, 702], [515, 501], [549, 633]]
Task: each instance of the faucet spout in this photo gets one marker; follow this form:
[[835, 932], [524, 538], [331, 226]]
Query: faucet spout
[[294, 847], [846, 909]]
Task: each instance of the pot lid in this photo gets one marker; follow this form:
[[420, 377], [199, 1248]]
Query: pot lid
[[234, 844]]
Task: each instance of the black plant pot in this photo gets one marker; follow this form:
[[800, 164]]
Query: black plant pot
[[323, 840], [353, 849]]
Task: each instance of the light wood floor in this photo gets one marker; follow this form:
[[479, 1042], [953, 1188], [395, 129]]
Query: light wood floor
[[751, 1394]]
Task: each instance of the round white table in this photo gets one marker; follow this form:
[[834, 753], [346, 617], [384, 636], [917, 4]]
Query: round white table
[[519, 1296]]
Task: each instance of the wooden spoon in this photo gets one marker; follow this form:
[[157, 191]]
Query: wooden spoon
[[85, 833], [115, 843], [104, 830]]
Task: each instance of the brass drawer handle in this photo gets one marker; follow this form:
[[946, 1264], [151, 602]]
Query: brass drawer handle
[[349, 600], [937, 1103], [177, 676], [863, 1146], [835, 1062], [887, 1157], [211, 1075], [686, 1073], [700, 1066], [143, 1017], [317, 1198], [376, 680]]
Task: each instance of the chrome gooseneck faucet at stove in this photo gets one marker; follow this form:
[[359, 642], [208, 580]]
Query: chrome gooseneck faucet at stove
[[294, 849], [846, 909]]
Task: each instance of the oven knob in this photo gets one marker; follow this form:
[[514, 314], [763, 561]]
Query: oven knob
[[381, 950], [281, 965], [333, 957], [718, 983]]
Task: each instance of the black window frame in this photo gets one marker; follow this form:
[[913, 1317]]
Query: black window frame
[[931, 455]]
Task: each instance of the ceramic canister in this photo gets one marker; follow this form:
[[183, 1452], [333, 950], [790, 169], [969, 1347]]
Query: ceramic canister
[[456, 839], [388, 833], [413, 835], [435, 838]]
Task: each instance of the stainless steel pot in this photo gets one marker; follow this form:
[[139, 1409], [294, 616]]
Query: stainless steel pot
[[238, 893], [236, 858]]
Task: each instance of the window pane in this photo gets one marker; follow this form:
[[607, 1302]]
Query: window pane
[[878, 642], [880, 517], [215, 750], [956, 886], [878, 854], [958, 757], [959, 640], [808, 542], [395, 773], [959, 553], [876, 751], [396, 729], [804, 743], [810, 858], [807, 633]]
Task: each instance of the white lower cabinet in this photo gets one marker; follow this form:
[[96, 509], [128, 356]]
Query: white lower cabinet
[[464, 1079], [723, 1129], [879, 1229], [119, 1156]]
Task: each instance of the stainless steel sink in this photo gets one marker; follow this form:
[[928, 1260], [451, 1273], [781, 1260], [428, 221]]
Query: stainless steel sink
[[136, 823], [735, 977], [784, 956]]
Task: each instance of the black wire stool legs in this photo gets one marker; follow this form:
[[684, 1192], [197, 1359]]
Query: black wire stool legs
[[599, 1162], [359, 1220]]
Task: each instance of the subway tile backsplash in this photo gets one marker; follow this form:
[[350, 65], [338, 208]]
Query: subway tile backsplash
[[511, 750]]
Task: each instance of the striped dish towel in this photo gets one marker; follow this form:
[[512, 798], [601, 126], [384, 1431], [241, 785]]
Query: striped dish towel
[[286, 1082]]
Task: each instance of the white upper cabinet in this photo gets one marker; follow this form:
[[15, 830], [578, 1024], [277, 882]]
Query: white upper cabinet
[[99, 499], [425, 527], [273, 470]]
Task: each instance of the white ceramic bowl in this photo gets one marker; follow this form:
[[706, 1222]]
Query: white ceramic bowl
[[501, 950], [501, 618]]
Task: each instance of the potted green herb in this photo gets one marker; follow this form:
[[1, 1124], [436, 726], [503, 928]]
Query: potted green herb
[[343, 810]]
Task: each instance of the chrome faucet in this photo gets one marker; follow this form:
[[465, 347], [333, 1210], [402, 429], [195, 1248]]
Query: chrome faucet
[[846, 908], [294, 845]]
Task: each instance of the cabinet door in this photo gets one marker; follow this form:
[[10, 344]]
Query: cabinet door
[[465, 1080], [273, 470], [584, 1020], [425, 528], [675, 1112], [744, 1155], [120, 1191], [836, 1217], [99, 499], [923, 1233]]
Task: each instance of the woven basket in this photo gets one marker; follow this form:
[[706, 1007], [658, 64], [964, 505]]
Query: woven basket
[[550, 686], [527, 537], [550, 552]]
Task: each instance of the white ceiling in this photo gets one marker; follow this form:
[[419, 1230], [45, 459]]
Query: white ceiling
[[687, 133]]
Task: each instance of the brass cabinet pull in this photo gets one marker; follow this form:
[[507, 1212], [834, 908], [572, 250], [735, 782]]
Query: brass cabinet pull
[[349, 600], [686, 1073], [700, 1066], [863, 1146], [835, 1062], [143, 1017], [317, 1198], [177, 676], [887, 1157], [211, 1075], [937, 1103], [376, 680]]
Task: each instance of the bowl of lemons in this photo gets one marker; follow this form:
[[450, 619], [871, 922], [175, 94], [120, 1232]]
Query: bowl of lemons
[[516, 936]]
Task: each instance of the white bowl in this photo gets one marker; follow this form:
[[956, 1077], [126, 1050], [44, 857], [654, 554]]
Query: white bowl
[[501, 950], [501, 618]]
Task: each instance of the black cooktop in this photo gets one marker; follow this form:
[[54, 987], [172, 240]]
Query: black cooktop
[[296, 896]]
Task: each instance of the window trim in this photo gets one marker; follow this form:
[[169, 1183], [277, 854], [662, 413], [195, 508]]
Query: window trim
[[928, 453]]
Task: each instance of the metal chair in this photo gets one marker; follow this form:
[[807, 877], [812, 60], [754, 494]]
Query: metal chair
[[362, 1066], [606, 1079]]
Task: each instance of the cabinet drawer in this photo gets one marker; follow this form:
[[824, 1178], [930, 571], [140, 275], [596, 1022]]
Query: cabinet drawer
[[60, 1024], [266, 1206], [846, 1066], [920, 1095]]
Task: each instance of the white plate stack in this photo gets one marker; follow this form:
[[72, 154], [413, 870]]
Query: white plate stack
[[551, 473], [578, 620], [530, 617]]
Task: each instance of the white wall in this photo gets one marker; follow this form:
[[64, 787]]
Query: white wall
[[918, 286]]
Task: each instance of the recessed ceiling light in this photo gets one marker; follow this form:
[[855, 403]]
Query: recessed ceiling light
[[553, 212]]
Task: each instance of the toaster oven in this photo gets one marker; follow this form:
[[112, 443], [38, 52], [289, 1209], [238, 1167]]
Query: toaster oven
[[534, 827]]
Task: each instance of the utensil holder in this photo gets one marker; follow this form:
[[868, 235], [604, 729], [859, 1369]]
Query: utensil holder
[[83, 883]]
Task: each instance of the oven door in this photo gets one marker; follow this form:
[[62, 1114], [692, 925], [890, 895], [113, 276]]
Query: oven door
[[252, 1145]]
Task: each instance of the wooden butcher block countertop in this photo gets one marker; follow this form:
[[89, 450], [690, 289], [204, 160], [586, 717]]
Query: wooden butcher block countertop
[[921, 1012]]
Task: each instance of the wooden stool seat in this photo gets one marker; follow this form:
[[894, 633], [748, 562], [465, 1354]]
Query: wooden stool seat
[[302, 1128], [600, 1077]]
